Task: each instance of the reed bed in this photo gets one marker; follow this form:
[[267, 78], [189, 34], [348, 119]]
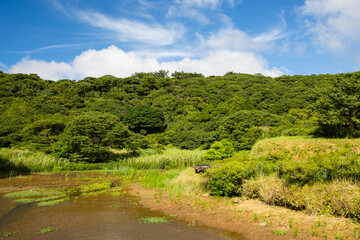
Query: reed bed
[[170, 158], [33, 161]]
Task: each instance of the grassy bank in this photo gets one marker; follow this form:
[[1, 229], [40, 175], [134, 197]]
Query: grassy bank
[[319, 176], [304, 148]]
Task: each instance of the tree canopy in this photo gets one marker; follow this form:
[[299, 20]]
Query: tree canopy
[[74, 118]]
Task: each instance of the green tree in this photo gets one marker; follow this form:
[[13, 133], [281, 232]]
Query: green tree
[[145, 119], [89, 136], [338, 107], [220, 150], [41, 134]]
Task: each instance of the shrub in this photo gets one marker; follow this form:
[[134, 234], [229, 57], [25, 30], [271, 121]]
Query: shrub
[[226, 179], [220, 150], [269, 189]]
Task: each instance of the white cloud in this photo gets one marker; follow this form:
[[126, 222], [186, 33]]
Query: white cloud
[[47, 70], [233, 39], [50, 47], [204, 3], [128, 30], [115, 61], [223, 61], [3, 66], [191, 8], [334, 23]]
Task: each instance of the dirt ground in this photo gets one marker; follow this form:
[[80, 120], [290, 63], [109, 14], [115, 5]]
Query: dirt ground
[[250, 218]]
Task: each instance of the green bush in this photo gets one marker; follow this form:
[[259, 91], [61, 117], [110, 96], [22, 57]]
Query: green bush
[[226, 179], [220, 150]]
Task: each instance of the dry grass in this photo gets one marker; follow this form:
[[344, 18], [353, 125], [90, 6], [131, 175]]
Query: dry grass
[[341, 198], [300, 148], [270, 189]]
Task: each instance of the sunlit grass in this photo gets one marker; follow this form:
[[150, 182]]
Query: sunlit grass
[[170, 158], [34, 161]]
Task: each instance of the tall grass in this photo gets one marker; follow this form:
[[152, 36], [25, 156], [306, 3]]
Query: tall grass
[[170, 158], [33, 161], [27, 161]]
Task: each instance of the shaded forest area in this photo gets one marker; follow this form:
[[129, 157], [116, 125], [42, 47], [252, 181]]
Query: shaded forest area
[[82, 120]]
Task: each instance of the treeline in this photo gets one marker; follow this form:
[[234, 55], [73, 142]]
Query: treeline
[[82, 120]]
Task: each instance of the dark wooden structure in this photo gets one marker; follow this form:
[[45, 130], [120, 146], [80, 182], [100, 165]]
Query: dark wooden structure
[[201, 168]]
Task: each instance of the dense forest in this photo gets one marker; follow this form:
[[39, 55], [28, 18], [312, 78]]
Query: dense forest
[[82, 120]]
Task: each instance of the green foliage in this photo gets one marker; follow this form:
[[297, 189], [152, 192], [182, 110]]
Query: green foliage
[[41, 134], [243, 128], [12, 160], [88, 136], [338, 107], [220, 150], [182, 75], [10, 128], [145, 119], [153, 220], [190, 110], [226, 179]]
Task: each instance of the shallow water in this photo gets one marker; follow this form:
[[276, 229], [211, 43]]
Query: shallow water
[[102, 216]]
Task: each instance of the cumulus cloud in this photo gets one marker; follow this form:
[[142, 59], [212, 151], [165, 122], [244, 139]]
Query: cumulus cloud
[[220, 62], [115, 61], [335, 24], [47, 70]]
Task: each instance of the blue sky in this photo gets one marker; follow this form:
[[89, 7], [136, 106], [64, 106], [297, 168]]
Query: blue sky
[[78, 38]]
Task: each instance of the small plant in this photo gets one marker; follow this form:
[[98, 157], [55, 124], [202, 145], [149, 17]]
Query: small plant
[[296, 232], [338, 236], [192, 224], [279, 232], [255, 217], [8, 234], [153, 220], [45, 230]]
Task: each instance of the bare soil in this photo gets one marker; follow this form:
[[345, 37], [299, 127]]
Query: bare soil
[[250, 218]]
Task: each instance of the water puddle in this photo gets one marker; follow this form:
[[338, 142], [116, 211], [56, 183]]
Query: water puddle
[[95, 216]]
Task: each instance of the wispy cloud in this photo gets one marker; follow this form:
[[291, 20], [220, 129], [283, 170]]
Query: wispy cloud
[[212, 4], [56, 46], [192, 8], [334, 24], [234, 39], [3, 66], [130, 30]]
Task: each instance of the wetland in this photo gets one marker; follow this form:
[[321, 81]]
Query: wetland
[[86, 206]]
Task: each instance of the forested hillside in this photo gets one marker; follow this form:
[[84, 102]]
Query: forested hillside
[[82, 119]]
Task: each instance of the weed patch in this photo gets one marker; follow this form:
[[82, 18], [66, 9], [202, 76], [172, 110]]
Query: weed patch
[[153, 220]]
